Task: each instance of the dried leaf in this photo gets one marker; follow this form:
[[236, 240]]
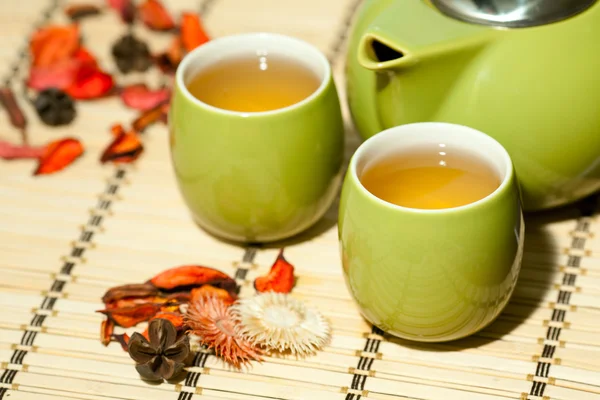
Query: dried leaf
[[90, 83], [78, 11], [132, 290], [149, 117], [125, 148], [106, 331], [280, 278], [17, 118], [58, 155], [155, 16], [11, 152], [140, 97], [192, 31], [54, 43], [127, 317]]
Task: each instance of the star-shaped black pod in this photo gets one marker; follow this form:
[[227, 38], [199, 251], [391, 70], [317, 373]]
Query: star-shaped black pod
[[163, 356]]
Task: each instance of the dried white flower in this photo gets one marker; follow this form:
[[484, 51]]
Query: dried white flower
[[277, 321]]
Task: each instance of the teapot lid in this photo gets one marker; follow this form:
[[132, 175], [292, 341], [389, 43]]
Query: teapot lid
[[512, 13]]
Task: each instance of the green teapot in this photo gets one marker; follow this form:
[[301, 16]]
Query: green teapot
[[526, 72]]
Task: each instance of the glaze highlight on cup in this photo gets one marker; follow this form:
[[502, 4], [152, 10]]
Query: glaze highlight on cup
[[431, 275], [257, 176]]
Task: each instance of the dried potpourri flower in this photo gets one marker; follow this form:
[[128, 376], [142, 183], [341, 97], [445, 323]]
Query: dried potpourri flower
[[15, 113], [131, 54], [126, 147], [155, 16], [213, 322], [280, 278], [79, 11], [55, 107], [278, 322], [161, 356], [140, 97]]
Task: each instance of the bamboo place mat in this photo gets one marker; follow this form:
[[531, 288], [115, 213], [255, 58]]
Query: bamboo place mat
[[67, 237]]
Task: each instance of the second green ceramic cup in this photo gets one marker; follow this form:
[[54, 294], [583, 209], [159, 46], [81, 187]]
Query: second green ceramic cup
[[259, 176], [431, 275]]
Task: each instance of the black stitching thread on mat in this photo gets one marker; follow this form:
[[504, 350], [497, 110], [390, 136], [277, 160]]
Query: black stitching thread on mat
[[365, 364], [192, 378], [542, 369], [57, 287]]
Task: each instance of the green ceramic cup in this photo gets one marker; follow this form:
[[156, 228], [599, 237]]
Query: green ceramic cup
[[257, 176], [431, 275]]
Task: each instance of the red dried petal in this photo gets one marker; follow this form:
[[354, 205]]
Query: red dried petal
[[58, 155], [125, 148], [192, 31], [11, 152], [53, 44], [90, 83], [140, 97], [85, 57], [155, 16], [280, 278]]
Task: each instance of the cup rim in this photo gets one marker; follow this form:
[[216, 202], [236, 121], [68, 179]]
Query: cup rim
[[215, 44], [407, 130]]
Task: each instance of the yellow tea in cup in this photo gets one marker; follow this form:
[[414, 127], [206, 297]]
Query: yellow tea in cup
[[430, 178], [254, 83]]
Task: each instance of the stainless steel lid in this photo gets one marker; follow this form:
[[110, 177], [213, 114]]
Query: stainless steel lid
[[512, 13]]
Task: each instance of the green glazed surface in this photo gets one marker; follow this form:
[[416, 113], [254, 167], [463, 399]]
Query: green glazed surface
[[536, 90], [430, 276], [258, 178]]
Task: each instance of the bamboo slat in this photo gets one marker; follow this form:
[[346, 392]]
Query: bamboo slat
[[59, 252]]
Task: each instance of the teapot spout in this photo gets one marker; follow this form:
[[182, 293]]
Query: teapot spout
[[418, 54]]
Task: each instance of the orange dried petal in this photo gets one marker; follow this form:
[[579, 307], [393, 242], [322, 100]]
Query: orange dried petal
[[192, 31], [54, 43], [58, 155], [280, 278], [155, 16], [209, 290], [125, 148]]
